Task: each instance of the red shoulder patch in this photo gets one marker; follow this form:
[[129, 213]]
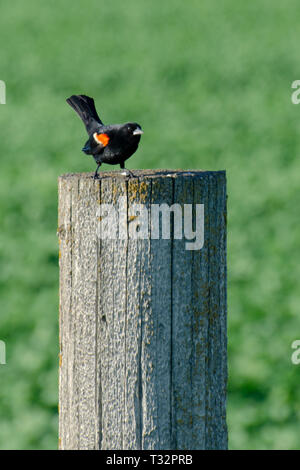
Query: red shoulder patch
[[102, 139]]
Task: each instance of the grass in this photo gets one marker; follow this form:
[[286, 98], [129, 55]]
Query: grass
[[211, 85]]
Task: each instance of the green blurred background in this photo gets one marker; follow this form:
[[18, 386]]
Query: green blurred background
[[210, 82]]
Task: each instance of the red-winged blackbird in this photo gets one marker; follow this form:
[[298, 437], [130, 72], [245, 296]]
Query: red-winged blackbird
[[111, 144]]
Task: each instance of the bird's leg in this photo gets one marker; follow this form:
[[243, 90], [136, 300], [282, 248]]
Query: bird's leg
[[127, 172], [96, 176]]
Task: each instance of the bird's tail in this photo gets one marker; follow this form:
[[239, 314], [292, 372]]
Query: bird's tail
[[85, 108]]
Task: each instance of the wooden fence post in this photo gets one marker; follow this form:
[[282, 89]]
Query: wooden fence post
[[143, 360]]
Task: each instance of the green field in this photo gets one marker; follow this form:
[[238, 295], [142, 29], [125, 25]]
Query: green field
[[210, 83]]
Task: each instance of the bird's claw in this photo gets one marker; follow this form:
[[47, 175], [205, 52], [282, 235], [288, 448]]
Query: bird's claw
[[127, 173]]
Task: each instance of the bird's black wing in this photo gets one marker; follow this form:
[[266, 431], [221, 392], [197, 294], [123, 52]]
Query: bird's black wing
[[85, 108]]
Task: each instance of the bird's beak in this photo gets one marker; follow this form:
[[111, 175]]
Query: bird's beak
[[138, 132]]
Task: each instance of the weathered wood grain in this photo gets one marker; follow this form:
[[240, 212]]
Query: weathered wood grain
[[143, 342]]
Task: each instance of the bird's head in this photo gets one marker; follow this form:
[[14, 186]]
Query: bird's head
[[132, 130]]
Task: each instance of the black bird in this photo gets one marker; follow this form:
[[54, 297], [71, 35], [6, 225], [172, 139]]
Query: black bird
[[111, 144]]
